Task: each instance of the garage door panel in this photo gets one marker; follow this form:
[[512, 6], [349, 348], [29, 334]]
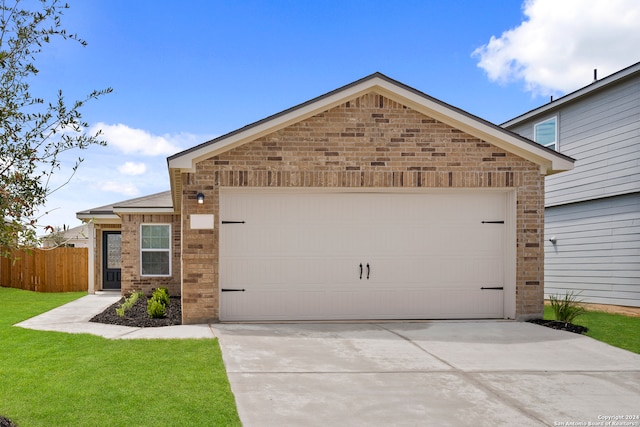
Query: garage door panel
[[471, 239], [406, 240], [299, 273], [480, 303], [465, 272], [298, 255]]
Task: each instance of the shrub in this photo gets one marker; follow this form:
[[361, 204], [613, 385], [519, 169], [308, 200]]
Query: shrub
[[568, 308], [162, 295], [156, 309], [128, 303], [157, 304]]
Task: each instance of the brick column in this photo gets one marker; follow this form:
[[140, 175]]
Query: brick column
[[199, 287]]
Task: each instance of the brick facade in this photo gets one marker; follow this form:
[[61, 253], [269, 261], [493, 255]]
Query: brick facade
[[131, 278], [367, 142]]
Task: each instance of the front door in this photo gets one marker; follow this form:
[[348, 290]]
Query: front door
[[111, 259]]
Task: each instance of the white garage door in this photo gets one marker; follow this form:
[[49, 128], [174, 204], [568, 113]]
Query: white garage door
[[336, 255]]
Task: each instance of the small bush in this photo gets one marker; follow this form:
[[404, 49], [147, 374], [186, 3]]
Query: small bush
[[156, 309], [566, 309], [128, 303], [157, 304], [162, 295]]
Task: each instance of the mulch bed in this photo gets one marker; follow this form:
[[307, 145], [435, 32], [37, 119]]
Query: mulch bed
[[5, 422], [570, 327], [137, 315]]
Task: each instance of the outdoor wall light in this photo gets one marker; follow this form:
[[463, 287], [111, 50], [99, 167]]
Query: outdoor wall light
[[200, 198], [553, 240]]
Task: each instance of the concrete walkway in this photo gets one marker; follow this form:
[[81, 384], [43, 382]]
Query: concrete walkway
[[74, 318], [426, 374]]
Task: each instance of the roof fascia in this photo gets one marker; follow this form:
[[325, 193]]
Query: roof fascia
[[585, 91], [188, 159], [165, 210], [99, 218], [548, 160]]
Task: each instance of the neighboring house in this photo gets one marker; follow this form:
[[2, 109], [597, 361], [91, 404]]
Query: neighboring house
[[592, 215], [76, 237], [373, 201]]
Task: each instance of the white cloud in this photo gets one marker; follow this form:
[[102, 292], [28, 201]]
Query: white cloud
[[129, 166], [124, 188], [138, 141], [132, 168], [555, 49]]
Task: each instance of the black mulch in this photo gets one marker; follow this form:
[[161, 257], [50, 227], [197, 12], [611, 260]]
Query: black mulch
[[137, 315], [5, 422], [577, 329]]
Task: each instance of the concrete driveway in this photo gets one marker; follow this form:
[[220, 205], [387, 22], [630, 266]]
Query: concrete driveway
[[426, 374]]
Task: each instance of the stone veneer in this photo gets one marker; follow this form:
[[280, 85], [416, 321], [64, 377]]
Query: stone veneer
[[368, 142]]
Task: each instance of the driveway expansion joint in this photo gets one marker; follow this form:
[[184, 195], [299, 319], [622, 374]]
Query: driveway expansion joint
[[470, 377]]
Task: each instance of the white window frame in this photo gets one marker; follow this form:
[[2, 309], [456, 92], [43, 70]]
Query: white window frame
[[553, 145], [169, 250]]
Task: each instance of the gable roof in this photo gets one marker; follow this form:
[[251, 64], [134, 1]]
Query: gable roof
[[392, 89], [549, 160], [626, 73], [153, 203]]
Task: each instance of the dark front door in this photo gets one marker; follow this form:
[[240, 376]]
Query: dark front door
[[111, 256]]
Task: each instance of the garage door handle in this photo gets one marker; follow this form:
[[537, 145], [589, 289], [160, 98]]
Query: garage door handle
[[231, 290], [360, 271], [493, 287], [368, 271]]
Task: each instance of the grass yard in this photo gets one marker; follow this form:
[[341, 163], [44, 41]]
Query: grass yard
[[52, 378], [615, 329]]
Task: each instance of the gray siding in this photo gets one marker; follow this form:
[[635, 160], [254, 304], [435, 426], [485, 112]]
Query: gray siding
[[597, 250], [602, 132]]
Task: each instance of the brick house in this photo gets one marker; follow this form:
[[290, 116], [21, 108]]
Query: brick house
[[373, 201]]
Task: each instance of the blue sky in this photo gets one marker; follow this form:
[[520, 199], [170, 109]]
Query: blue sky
[[185, 72]]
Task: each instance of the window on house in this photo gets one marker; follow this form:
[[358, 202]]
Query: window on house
[[155, 249], [546, 133]]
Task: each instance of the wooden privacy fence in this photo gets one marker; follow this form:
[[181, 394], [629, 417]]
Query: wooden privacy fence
[[50, 270]]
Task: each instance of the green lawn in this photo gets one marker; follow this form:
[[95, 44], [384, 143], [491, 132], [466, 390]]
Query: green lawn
[[615, 329], [51, 378]]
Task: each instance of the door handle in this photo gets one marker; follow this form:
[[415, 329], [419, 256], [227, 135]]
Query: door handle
[[360, 271], [368, 271]]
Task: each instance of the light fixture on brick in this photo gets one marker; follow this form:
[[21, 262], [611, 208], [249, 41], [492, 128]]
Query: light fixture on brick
[[200, 198]]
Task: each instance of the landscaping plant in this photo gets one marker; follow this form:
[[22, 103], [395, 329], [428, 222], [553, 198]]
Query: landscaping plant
[[566, 308], [156, 309], [128, 303], [162, 295], [157, 304]]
